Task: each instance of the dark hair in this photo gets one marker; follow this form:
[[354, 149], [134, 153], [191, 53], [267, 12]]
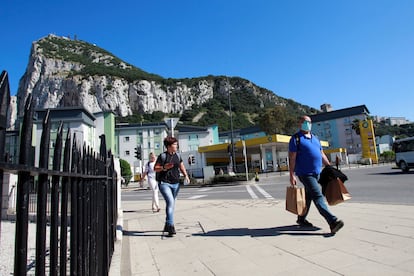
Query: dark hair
[[169, 140]]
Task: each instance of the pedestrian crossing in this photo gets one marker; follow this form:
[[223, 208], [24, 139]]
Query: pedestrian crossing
[[253, 191], [263, 192], [197, 197]]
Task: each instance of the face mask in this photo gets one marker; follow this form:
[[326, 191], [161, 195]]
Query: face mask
[[306, 126]]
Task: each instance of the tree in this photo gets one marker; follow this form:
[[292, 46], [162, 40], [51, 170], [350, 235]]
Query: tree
[[277, 120], [156, 116], [291, 125], [355, 126], [125, 171]]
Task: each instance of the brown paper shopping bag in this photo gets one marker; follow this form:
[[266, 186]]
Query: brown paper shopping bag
[[336, 192], [295, 200]]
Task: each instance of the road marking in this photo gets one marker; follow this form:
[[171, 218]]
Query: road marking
[[205, 189], [263, 192], [251, 193], [197, 196]]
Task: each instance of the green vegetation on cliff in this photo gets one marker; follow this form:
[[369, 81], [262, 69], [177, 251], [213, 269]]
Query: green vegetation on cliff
[[248, 108]]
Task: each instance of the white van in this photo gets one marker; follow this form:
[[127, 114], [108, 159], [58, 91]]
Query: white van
[[404, 153]]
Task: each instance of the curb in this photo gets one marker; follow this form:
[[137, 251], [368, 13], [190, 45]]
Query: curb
[[116, 260]]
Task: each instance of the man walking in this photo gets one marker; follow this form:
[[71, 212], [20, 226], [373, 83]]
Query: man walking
[[305, 162]]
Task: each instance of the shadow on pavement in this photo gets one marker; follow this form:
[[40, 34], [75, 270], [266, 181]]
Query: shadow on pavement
[[151, 233], [293, 230]]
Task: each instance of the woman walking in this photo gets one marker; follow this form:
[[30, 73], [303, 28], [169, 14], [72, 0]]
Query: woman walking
[[168, 167], [152, 182]]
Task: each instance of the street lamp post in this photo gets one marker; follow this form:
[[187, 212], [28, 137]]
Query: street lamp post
[[232, 155]]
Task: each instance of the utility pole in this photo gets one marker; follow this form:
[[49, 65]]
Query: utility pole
[[232, 153]]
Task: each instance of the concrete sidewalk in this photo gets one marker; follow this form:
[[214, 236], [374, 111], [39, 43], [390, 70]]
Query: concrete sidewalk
[[258, 237]]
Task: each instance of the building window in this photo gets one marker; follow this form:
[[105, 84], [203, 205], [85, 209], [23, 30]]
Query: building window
[[126, 139], [127, 152], [348, 131], [139, 138], [157, 145], [347, 121], [193, 137]]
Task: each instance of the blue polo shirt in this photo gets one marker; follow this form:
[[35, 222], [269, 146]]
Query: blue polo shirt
[[308, 154]]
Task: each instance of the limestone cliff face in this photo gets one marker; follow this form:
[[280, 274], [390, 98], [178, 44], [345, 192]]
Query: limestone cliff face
[[54, 82], [62, 72]]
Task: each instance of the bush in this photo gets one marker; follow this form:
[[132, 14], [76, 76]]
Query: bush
[[125, 171], [388, 156], [229, 178]]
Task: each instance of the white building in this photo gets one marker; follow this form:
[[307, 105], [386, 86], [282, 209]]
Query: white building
[[149, 137], [190, 139], [396, 121]]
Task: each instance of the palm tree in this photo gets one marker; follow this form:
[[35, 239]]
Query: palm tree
[[355, 126]]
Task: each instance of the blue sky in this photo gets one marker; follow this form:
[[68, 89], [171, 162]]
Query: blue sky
[[342, 52]]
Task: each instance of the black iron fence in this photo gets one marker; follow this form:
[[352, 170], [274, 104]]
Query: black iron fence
[[75, 195]]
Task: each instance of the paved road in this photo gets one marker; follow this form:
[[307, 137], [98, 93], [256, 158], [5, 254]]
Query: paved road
[[377, 184]]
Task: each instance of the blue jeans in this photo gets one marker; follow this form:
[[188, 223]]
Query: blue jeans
[[313, 192], [169, 193]]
